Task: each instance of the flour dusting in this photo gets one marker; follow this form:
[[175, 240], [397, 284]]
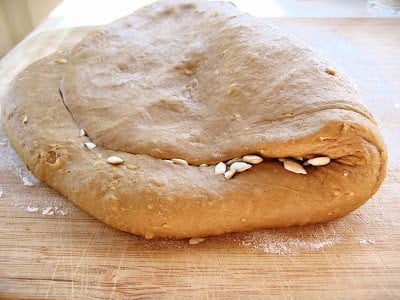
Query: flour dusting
[[290, 241], [367, 241], [32, 209], [286, 245], [27, 181], [50, 210], [1, 194], [39, 199], [10, 160]]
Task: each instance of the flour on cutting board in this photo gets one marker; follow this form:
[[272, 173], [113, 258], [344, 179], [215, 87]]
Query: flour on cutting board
[[50, 210], [290, 241], [367, 241], [49, 205], [286, 241], [10, 160], [56, 206]]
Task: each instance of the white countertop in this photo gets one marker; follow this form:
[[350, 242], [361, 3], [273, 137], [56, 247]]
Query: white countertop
[[73, 13]]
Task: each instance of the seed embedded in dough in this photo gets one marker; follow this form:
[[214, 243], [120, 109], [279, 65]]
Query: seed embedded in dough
[[294, 167], [252, 159], [132, 167], [179, 161], [60, 61], [240, 166], [203, 165], [233, 160], [330, 71], [282, 159], [220, 168], [319, 161], [195, 241], [229, 174], [82, 132], [168, 161], [25, 119], [231, 90], [90, 145], [114, 160]]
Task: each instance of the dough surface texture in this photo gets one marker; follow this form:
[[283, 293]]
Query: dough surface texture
[[203, 82]]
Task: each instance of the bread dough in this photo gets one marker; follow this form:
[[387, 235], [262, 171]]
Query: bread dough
[[170, 80], [203, 82]]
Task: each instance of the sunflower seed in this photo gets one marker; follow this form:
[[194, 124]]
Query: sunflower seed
[[330, 71], [233, 89], [319, 161], [195, 241], [233, 160], [132, 167], [25, 119], [252, 159], [61, 61], [90, 145], [229, 174], [240, 166], [294, 167], [203, 165], [298, 158], [82, 132], [114, 160], [220, 168], [168, 161], [179, 161], [282, 159]]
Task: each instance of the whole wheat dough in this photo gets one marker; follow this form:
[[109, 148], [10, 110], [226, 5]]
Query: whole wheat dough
[[203, 82]]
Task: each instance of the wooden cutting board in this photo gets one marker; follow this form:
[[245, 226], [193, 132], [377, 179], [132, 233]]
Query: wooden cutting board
[[51, 250]]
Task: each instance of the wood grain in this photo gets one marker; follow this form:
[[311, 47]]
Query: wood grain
[[73, 256]]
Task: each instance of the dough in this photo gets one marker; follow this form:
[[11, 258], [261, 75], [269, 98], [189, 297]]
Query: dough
[[203, 82]]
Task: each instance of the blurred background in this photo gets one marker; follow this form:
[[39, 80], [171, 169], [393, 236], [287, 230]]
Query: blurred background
[[18, 18]]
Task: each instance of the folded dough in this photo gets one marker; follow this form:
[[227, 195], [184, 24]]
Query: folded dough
[[203, 82]]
